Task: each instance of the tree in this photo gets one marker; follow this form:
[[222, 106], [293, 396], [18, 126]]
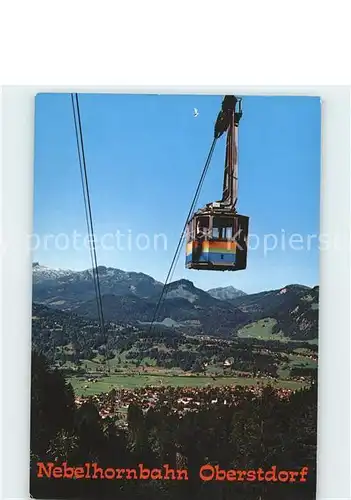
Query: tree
[[52, 404], [197, 367]]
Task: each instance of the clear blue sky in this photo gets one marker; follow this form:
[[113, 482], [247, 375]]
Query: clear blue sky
[[145, 154]]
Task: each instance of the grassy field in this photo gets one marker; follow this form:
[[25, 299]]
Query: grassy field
[[262, 330], [296, 360], [105, 384]]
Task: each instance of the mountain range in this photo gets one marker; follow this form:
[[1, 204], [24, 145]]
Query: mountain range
[[131, 298]]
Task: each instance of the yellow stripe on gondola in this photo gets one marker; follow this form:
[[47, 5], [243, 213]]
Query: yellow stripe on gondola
[[189, 248], [219, 246], [212, 246]]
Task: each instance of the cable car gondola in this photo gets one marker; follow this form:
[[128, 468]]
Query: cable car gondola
[[216, 235]]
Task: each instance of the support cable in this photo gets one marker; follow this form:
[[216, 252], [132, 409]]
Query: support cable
[[178, 248], [88, 215]]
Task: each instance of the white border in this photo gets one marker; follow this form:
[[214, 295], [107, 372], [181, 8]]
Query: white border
[[334, 463]]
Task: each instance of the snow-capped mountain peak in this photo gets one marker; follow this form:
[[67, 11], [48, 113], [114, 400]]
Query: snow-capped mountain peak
[[226, 293], [43, 273]]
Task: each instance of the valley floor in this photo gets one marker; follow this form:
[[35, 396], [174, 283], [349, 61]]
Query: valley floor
[[87, 386]]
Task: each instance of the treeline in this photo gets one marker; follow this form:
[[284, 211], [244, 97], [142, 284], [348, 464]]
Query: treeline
[[63, 337], [197, 361]]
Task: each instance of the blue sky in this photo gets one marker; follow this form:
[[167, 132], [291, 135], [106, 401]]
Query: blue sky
[[145, 154]]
